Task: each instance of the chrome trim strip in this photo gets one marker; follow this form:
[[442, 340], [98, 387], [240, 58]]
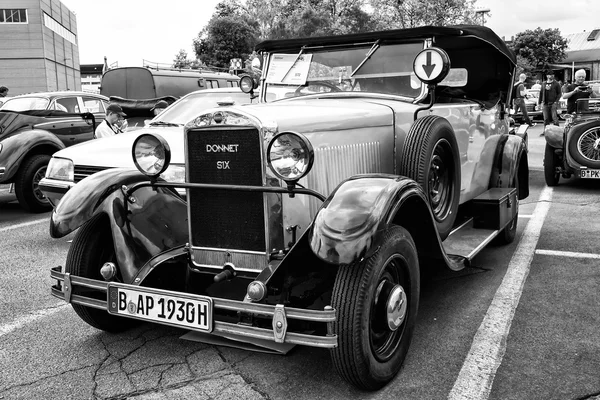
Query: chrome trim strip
[[56, 183], [228, 250]]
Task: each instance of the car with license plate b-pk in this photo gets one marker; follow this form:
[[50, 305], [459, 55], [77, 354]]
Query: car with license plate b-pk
[[309, 220], [574, 150]]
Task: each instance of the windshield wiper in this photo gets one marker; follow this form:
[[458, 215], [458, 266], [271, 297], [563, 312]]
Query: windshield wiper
[[163, 123], [294, 63], [369, 54]]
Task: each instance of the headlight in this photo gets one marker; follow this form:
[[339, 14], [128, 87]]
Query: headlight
[[151, 154], [248, 84], [174, 173], [290, 156], [60, 169]]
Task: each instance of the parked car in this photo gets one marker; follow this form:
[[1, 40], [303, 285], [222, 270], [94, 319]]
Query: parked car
[[71, 165], [531, 102], [33, 127], [574, 150], [310, 220]]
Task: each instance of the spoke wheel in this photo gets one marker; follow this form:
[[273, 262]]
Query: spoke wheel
[[376, 302], [584, 144]]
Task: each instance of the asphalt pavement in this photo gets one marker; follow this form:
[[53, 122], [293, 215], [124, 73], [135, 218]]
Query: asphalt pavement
[[522, 323]]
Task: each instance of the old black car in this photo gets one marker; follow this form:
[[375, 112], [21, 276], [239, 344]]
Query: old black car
[[308, 220], [35, 126], [575, 149]]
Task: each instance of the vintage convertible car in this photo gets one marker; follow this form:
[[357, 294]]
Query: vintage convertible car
[[311, 219], [33, 127], [574, 150], [71, 165]]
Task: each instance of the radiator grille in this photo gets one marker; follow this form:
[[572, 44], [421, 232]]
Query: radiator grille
[[219, 218], [336, 163], [83, 171]]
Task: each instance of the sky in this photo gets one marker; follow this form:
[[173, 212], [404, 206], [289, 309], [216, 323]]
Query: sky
[[130, 31]]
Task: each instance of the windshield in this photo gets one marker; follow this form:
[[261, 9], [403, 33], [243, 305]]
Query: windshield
[[193, 105], [371, 68], [25, 104]]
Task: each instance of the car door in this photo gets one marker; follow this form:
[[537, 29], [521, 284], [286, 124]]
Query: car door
[[95, 106], [71, 128]]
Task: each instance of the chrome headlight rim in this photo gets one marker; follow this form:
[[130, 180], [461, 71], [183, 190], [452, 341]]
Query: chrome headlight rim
[[58, 163], [307, 149], [166, 152], [247, 84]]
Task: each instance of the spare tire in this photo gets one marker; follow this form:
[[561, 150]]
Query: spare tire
[[430, 156], [584, 144]]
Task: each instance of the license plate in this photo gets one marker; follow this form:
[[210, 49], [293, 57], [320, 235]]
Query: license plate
[[162, 306], [590, 173]]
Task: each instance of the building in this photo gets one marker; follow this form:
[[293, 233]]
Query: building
[[583, 53], [91, 76], [38, 50]]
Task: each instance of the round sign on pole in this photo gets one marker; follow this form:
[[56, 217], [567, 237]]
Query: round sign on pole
[[431, 65]]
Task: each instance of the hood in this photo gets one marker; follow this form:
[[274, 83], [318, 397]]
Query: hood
[[115, 151], [328, 114]]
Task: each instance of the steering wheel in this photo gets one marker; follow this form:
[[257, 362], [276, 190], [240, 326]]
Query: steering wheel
[[318, 83]]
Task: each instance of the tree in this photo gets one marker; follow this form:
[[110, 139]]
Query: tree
[[181, 60], [540, 47], [393, 14], [224, 38]]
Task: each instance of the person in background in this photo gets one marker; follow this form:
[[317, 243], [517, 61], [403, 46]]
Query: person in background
[[520, 98], [3, 91], [159, 107], [548, 100], [577, 90], [536, 85], [109, 127]]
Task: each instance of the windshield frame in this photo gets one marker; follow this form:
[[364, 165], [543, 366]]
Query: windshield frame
[[371, 50]]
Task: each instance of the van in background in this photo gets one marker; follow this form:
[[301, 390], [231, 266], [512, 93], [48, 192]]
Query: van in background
[[146, 83]]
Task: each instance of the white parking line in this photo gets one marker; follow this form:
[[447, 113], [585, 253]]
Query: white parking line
[[24, 224], [476, 377], [524, 215], [26, 319], [567, 254]]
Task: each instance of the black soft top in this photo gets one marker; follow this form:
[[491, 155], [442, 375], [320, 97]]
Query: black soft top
[[482, 33]]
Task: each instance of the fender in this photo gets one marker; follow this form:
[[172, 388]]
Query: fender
[[151, 221], [352, 221], [15, 148], [510, 161]]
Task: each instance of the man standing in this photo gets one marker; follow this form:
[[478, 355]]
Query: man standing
[[577, 90], [520, 98], [108, 127], [548, 100]]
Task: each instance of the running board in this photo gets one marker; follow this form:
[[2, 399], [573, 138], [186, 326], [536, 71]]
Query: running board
[[466, 241]]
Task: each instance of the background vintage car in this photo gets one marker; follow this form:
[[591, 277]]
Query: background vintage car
[[531, 102], [575, 149], [33, 127], [310, 220], [71, 165]]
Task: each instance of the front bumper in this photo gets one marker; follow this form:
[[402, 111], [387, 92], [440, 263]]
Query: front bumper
[[54, 190], [279, 314]]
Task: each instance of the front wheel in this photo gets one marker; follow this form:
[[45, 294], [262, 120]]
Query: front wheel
[[376, 302], [551, 165], [27, 183], [91, 248]]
